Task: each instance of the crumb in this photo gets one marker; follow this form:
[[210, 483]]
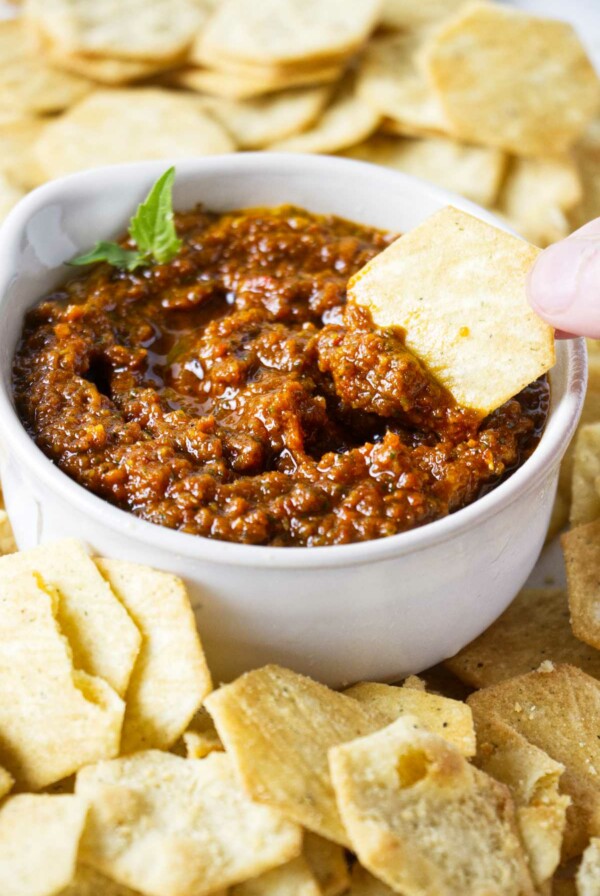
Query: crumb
[[546, 666]]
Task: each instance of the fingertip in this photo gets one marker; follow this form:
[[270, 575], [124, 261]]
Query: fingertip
[[563, 286]]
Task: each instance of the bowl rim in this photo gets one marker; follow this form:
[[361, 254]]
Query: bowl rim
[[560, 425]]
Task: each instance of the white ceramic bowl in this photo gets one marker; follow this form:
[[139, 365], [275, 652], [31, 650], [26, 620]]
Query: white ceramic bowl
[[375, 610]]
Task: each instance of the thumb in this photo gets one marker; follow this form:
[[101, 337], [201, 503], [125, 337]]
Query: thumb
[[564, 283]]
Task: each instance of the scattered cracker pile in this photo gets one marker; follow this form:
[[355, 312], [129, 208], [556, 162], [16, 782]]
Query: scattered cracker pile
[[494, 104], [578, 496], [125, 772]]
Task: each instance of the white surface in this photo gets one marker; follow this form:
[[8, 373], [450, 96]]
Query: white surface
[[379, 609]]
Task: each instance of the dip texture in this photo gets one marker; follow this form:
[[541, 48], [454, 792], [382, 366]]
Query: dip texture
[[231, 393]]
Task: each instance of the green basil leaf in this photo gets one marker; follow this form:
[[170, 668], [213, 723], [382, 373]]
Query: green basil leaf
[[152, 226], [125, 259]]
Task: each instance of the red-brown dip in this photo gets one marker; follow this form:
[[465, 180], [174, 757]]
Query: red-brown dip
[[232, 394]]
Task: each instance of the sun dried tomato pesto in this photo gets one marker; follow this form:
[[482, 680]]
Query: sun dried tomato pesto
[[232, 394]]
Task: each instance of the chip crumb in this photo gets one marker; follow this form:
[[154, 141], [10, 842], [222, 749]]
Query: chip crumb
[[546, 666]]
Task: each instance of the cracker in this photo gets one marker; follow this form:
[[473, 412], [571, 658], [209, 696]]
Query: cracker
[[588, 873], [110, 127], [169, 825], [6, 782], [327, 861], [7, 539], [456, 286], [16, 139], [235, 87], [201, 737], [255, 123], [589, 414], [424, 820], [198, 746], [202, 56], [53, 718], [533, 780], [536, 196], [286, 31], [557, 710], [451, 719], [28, 86], [587, 157], [170, 677], [407, 15], [161, 30], [561, 887], [39, 839], [292, 879], [559, 517], [277, 726], [88, 882], [347, 120], [441, 681], [391, 81], [535, 628], [9, 196], [585, 493], [104, 640], [508, 79], [107, 70], [581, 547], [472, 171], [364, 884]]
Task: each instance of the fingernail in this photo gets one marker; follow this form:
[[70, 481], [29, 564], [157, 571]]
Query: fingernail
[[559, 278]]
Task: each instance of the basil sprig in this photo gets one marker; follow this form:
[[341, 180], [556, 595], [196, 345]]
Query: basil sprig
[[151, 228]]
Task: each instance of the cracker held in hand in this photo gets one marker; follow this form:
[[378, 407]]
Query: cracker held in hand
[[170, 677], [423, 819], [183, 827], [277, 726], [39, 841], [54, 718], [513, 80], [451, 719], [456, 286]]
